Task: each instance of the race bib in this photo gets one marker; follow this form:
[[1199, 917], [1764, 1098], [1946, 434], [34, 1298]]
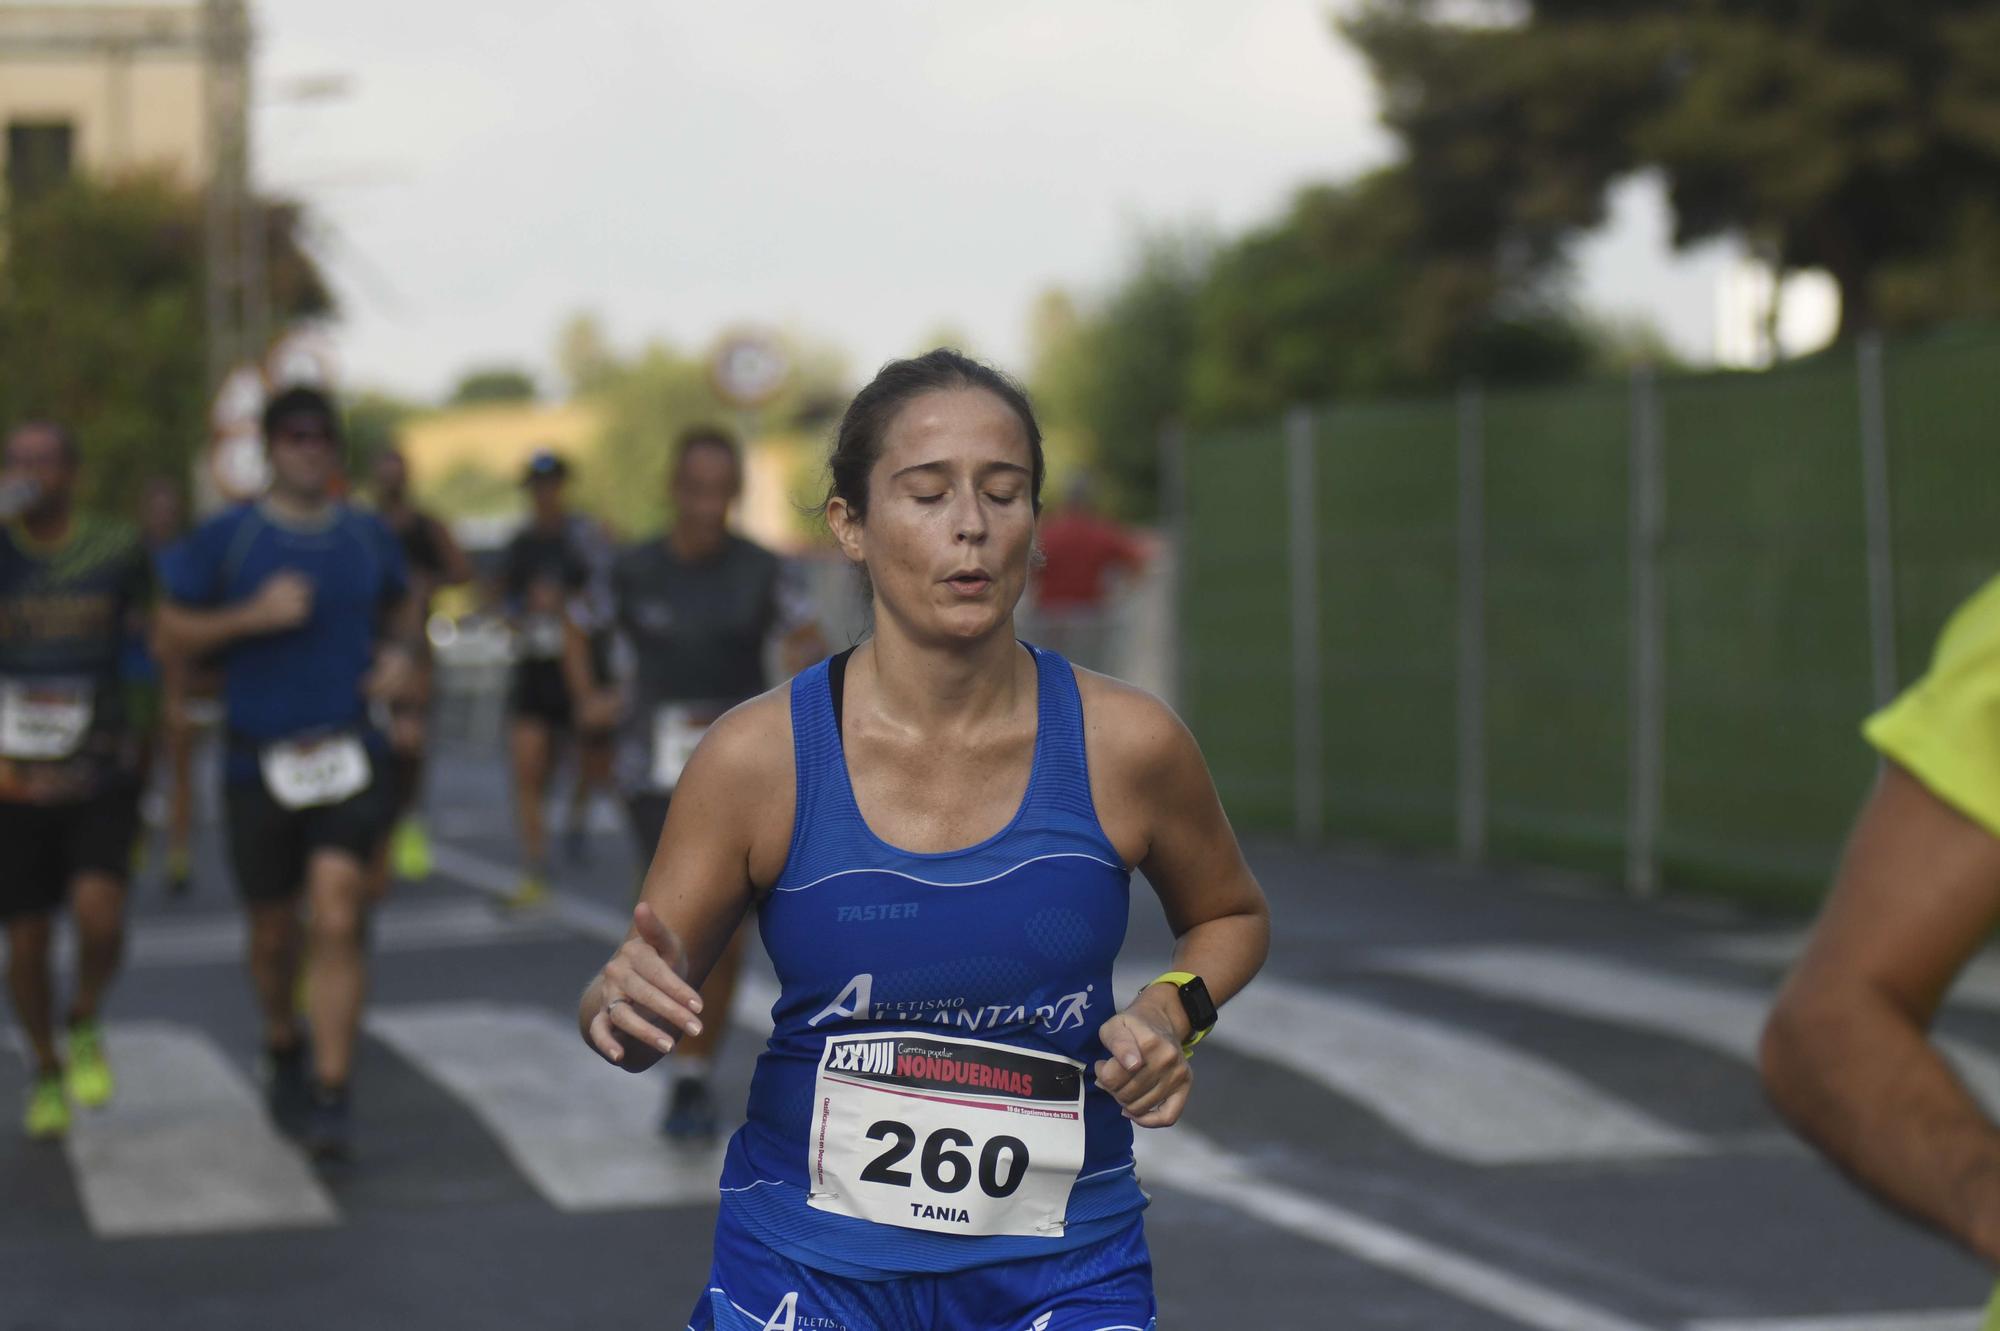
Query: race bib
[[307, 773], [676, 732], [43, 720], [951, 1135], [542, 638]]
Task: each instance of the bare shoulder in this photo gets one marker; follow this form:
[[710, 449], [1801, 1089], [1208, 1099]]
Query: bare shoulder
[[754, 739], [1129, 730], [1143, 762]]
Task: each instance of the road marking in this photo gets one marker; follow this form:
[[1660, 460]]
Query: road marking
[[216, 938], [1713, 1014], [1977, 986], [585, 1135], [1182, 1159], [496, 880], [1456, 1093], [186, 1147], [1928, 1321]]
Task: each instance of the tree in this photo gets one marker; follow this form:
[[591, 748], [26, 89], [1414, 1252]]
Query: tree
[[492, 383], [1837, 134], [101, 323]]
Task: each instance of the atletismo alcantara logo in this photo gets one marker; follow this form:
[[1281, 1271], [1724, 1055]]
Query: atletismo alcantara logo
[[856, 1002]]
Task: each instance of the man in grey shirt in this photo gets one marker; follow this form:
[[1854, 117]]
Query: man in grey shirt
[[692, 613]]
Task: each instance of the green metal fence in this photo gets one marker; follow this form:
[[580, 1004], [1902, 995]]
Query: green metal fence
[[1626, 627]]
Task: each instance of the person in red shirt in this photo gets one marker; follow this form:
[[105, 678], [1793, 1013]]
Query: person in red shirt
[[1082, 552]]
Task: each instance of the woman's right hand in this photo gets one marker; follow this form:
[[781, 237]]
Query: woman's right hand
[[644, 1002]]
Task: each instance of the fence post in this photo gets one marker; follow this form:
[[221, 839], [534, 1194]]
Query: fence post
[[1308, 735], [1646, 530], [1471, 625], [1878, 518], [1172, 481]]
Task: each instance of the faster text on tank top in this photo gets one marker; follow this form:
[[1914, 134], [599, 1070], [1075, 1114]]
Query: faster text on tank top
[[926, 1101]]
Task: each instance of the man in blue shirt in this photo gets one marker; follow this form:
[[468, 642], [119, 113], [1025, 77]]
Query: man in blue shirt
[[304, 600]]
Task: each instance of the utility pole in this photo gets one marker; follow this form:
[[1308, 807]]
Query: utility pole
[[235, 294]]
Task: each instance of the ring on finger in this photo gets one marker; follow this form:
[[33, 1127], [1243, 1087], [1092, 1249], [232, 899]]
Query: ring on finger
[[614, 1003]]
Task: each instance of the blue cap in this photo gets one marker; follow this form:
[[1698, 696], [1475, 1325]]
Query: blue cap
[[545, 464]]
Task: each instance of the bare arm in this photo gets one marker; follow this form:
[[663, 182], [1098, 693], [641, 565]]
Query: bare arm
[[1845, 1056], [284, 601], [723, 836], [1158, 802]]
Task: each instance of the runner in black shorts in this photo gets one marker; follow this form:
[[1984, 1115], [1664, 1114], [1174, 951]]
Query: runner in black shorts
[[304, 598], [71, 593], [552, 576], [692, 613], [434, 560]]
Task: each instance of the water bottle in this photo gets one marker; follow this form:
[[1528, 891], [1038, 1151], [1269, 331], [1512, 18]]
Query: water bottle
[[17, 496]]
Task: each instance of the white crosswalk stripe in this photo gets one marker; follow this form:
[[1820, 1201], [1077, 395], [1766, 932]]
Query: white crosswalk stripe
[[584, 1135], [218, 938], [185, 1147], [1977, 986], [1715, 1015], [1449, 1090]]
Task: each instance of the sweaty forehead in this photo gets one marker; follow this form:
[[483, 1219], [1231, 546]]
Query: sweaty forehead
[[968, 424]]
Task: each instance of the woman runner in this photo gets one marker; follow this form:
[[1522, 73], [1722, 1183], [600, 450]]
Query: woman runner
[[937, 830]]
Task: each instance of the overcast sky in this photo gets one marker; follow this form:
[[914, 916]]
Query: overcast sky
[[865, 171]]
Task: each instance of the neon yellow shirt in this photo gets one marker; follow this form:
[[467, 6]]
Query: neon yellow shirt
[[1945, 728]]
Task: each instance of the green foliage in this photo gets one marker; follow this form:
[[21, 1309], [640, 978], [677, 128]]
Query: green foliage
[[470, 490], [493, 383], [374, 420], [102, 324], [1858, 138]]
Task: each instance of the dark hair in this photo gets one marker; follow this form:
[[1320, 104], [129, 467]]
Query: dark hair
[[707, 436], [72, 451], [868, 417], [301, 400]]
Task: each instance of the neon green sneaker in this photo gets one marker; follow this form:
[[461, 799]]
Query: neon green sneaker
[[48, 1111], [410, 851], [530, 892], [88, 1077]]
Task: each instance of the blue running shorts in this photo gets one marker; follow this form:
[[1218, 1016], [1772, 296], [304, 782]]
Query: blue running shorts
[[1107, 1286]]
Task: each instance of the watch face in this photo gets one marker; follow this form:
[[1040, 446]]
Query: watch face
[[1199, 1006]]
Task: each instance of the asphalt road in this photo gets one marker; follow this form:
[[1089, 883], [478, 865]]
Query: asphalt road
[[1454, 1102]]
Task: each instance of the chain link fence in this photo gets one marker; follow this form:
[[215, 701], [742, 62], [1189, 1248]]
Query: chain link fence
[[1629, 627]]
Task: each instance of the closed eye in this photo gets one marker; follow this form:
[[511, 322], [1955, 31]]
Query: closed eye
[[927, 499], [1002, 499]]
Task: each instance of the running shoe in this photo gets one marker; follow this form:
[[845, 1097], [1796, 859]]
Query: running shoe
[[287, 1085], [88, 1077], [530, 892], [329, 1134], [410, 851], [691, 1115], [48, 1111]]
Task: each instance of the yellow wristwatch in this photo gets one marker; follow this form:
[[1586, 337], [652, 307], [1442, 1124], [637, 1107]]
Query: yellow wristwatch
[[1195, 1002]]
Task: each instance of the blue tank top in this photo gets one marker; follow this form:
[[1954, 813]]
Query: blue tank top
[[1009, 942]]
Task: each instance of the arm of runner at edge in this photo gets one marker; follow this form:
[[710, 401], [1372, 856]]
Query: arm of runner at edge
[[1846, 1057], [1157, 803], [597, 707], [728, 828]]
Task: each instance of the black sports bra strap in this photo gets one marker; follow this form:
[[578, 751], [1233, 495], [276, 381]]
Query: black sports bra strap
[[836, 686]]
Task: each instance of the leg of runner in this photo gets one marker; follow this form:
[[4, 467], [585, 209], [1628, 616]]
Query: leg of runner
[[97, 901], [337, 902], [31, 985], [274, 945], [531, 745], [593, 778]]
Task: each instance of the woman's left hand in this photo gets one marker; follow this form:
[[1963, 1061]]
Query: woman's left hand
[[1147, 1073]]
